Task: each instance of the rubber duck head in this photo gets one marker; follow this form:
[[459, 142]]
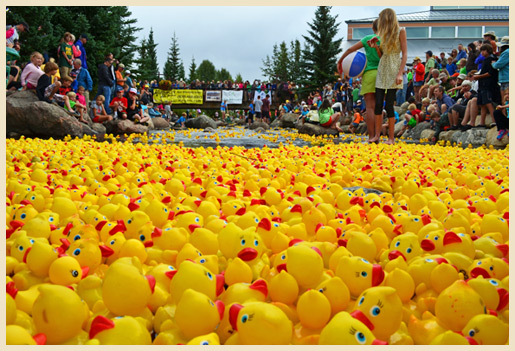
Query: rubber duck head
[[358, 274], [345, 330]]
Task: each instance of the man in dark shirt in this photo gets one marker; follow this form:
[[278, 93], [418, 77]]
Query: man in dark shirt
[[105, 82], [488, 91], [265, 109]]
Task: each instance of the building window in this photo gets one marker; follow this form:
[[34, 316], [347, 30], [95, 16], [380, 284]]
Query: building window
[[499, 31], [417, 32], [358, 33], [470, 32], [443, 32]]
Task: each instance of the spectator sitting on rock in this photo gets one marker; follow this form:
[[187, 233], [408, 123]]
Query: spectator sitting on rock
[[489, 92], [454, 91], [119, 105], [182, 119], [66, 85], [358, 118], [98, 112], [152, 111], [451, 67], [462, 67], [32, 72], [77, 106], [501, 116], [462, 109], [412, 116], [432, 83], [47, 91], [81, 98], [312, 116], [443, 102], [327, 116], [133, 105], [439, 124]]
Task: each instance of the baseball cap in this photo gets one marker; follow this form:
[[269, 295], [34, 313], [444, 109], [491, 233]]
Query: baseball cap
[[462, 76], [84, 36], [429, 52], [119, 88], [127, 72], [467, 82], [121, 65], [442, 75], [133, 90]]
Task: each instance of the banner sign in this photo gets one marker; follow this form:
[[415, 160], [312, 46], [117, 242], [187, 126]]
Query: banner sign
[[262, 94], [179, 96], [232, 96], [213, 95]]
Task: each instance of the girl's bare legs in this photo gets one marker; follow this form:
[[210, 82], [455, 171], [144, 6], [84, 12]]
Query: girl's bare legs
[[370, 101]]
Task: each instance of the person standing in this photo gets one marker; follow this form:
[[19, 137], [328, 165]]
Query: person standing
[[223, 109], [430, 65], [503, 65], [418, 79], [13, 33], [83, 79], [83, 39], [257, 107], [265, 109], [105, 82], [65, 54], [390, 69], [368, 84]]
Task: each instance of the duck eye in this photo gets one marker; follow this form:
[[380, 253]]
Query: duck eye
[[32, 241], [20, 248], [276, 225], [75, 274], [142, 237], [374, 311], [76, 252], [205, 342], [76, 237], [256, 242], [23, 215], [364, 260], [491, 268], [493, 282], [112, 242], [397, 244], [256, 220], [321, 290], [242, 241], [436, 238], [471, 333], [244, 318], [50, 219], [361, 301], [283, 257], [197, 219], [360, 337], [429, 260], [408, 250], [209, 275], [202, 260], [364, 274], [129, 221]]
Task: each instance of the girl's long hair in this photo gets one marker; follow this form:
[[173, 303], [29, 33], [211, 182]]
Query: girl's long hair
[[388, 30], [325, 105]]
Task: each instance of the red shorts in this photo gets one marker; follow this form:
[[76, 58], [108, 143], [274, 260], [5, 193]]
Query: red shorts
[[96, 119], [330, 121]]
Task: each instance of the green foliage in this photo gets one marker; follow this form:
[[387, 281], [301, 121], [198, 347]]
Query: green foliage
[[193, 70], [172, 65], [284, 65], [320, 54], [206, 71], [147, 62], [110, 29], [238, 78], [223, 74], [182, 72]]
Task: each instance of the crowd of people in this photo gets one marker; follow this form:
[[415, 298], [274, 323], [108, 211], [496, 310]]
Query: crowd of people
[[447, 90]]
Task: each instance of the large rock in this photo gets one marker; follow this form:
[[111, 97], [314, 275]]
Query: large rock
[[491, 139], [474, 137], [124, 126], [414, 133], [200, 122], [28, 116], [447, 135], [346, 120], [316, 129], [398, 127], [222, 123], [427, 134], [257, 125], [160, 123], [288, 120], [362, 128]]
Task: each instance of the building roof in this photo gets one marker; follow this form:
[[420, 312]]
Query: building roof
[[489, 13]]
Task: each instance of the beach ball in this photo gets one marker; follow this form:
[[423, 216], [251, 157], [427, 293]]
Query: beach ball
[[354, 64]]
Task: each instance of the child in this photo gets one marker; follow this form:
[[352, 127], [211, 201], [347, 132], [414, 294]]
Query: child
[[412, 116], [390, 69], [489, 92], [47, 91], [327, 116], [119, 105], [66, 86], [312, 116], [98, 111], [77, 106], [357, 119], [182, 120], [250, 115], [81, 98], [424, 108], [502, 115], [32, 72]]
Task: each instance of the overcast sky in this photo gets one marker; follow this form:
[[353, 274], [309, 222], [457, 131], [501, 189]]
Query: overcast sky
[[237, 38]]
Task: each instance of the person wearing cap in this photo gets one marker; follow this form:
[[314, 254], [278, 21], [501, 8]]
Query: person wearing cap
[[13, 32], [461, 110], [105, 82], [454, 91], [490, 38], [418, 80], [488, 92], [80, 45], [133, 105], [119, 104], [128, 79], [120, 81], [430, 64], [503, 64], [428, 88]]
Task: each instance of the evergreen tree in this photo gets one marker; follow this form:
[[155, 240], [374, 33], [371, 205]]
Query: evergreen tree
[[193, 70], [182, 72], [295, 64], [223, 74], [282, 64], [151, 59], [322, 48], [238, 78], [206, 71], [171, 68]]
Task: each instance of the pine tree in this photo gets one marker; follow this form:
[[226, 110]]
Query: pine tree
[[223, 74], [193, 70], [282, 64], [238, 78], [182, 71], [295, 61], [171, 68], [151, 59], [322, 49], [206, 71]]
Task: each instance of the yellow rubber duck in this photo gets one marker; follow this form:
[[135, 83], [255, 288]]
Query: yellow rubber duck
[[345, 330], [123, 330], [66, 271], [305, 264], [493, 292], [259, 323], [197, 277], [489, 267], [59, 313], [17, 335], [208, 339], [358, 274], [485, 329], [245, 292]]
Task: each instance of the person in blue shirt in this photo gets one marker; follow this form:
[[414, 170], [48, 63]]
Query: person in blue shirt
[[503, 64], [451, 66], [83, 78], [83, 39], [462, 54], [250, 115]]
